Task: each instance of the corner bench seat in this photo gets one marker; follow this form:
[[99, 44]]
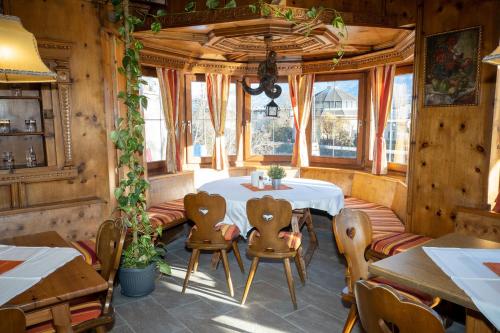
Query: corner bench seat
[[167, 214], [389, 236]]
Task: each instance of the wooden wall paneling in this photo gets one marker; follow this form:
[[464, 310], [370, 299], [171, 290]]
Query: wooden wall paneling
[[171, 187], [478, 223], [5, 195], [450, 161], [72, 220], [48, 116]]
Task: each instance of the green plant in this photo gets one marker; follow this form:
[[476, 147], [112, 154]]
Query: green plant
[[276, 172], [313, 15], [129, 140]]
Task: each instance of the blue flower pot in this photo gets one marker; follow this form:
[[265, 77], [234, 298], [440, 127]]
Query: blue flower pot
[[137, 282]]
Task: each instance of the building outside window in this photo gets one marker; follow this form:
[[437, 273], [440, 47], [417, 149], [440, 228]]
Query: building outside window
[[335, 119], [270, 135], [155, 127]]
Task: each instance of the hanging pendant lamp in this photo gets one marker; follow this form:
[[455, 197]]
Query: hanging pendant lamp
[[20, 61]]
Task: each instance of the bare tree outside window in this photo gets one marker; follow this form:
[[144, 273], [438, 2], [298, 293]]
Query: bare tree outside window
[[155, 127]]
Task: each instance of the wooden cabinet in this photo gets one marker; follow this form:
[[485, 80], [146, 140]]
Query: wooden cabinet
[[49, 105]]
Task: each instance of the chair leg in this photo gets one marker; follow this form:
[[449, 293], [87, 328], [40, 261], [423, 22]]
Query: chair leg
[[190, 268], [225, 262], [236, 251], [300, 268], [289, 279], [101, 329], [253, 269], [310, 227], [195, 266], [352, 317]]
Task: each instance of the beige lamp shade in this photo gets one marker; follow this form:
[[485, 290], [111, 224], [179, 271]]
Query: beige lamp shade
[[20, 61], [493, 58]]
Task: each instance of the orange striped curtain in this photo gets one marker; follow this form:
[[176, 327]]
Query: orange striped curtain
[[382, 80], [218, 94], [170, 94], [301, 89]]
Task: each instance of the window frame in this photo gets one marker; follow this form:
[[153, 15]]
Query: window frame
[[362, 130], [188, 116], [247, 129], [396, 167], [154, 167]]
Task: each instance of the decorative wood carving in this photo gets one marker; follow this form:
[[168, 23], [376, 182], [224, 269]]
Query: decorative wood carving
[[39, 176], [64, 90], [402, 52]]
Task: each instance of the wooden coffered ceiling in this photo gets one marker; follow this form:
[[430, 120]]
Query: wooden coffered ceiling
[[235, 36]]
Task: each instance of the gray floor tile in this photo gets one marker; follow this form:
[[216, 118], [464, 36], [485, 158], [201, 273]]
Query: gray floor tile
[[312, 319], [147, 315]]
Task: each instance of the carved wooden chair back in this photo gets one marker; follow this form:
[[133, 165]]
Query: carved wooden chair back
[[205, 211], [109, 247], [269, 216], [12, 320], [353, 234], [383, 310]]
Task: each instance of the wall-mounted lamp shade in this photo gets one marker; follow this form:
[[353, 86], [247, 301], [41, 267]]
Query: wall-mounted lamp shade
[[493, 58], [20, 61]]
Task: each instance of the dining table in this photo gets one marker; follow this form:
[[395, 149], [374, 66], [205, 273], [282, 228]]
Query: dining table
[[301, 193], [416, 270], [49, 299]]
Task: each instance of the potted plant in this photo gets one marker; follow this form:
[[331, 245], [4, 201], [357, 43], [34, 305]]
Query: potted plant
[[140, 258], [276, 173]]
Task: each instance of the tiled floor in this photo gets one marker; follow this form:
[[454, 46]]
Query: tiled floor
[[207, 307]]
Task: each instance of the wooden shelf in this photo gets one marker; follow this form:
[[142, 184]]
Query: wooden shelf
[[22, 133], [21, 97]]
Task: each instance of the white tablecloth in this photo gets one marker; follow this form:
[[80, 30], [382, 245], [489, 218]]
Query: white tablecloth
[[304, 193], [466, 268], [38, 262]]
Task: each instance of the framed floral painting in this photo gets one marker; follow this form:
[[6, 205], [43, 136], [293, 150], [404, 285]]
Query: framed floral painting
[[452, 68]]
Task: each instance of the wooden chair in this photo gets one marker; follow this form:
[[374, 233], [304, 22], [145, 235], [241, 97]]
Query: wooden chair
[[353, 234], [304, 217], [382, 309], [207, 211], [12, 320], [269, 217], [109, 246]]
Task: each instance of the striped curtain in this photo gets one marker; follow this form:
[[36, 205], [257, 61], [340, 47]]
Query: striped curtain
[[217, 95], [301, 89], [382, 80], [170, 94]]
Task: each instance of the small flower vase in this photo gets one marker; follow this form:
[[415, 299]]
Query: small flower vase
[[276, 183]]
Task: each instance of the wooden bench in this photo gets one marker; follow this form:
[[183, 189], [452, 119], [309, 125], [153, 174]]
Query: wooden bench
[[478, 223], [382, 198]]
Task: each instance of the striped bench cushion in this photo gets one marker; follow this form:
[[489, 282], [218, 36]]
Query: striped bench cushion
[[293, 239], [79, 314], [409, 293], [384, 221], [229, 231], [88, 250], [397, 243], [167, 214]]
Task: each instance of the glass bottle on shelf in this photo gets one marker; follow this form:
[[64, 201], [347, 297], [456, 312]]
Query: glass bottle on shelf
[[4, 126], [8, 160], [31, 158], [30, 125]]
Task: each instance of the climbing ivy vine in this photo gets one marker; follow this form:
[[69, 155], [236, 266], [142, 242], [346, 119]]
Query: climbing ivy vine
[[129, 140]]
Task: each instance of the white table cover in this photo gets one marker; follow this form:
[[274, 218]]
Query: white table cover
[[39, 262], [304, 193], [466, 268]]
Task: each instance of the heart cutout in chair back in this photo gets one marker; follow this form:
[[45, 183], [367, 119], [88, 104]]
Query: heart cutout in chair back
[[350, 232], [203, 211], [267, 217]]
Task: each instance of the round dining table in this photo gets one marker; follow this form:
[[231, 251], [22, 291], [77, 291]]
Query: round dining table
[[300, 192]]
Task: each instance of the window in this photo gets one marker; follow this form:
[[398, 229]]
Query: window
[[202, 132], [155, 128], [397, 130], [335, 129], [270, 135]]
